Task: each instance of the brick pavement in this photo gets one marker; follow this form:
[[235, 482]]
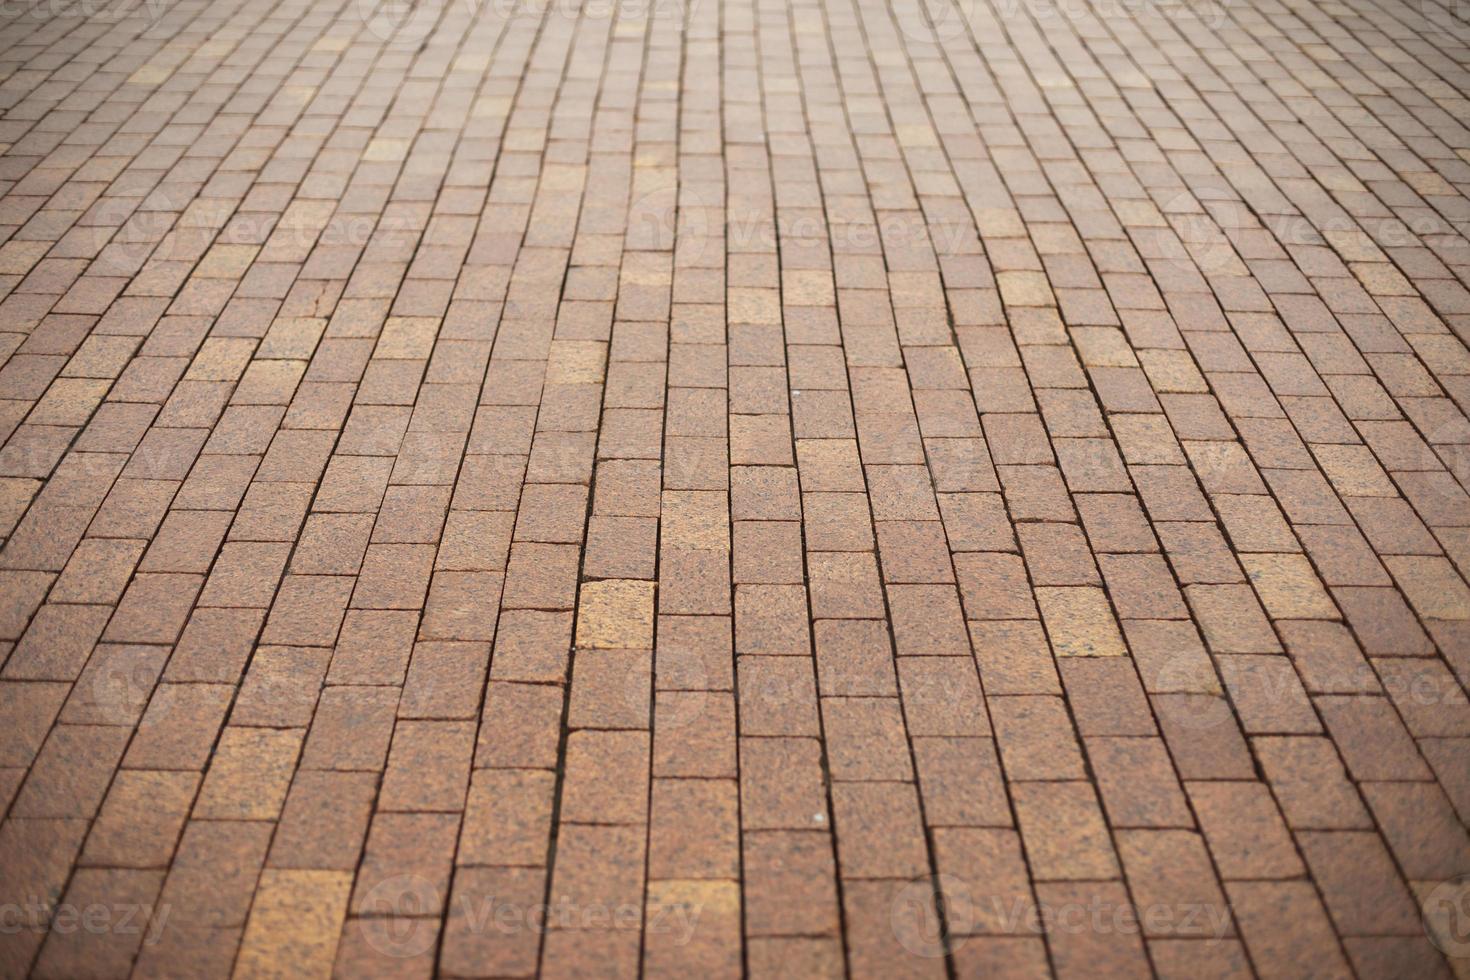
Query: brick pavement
[[605, 486]]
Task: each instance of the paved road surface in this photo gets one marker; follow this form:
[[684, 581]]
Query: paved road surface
[[604, 486]]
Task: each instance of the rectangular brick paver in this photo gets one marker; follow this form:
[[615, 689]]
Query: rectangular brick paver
[[816, 488]]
